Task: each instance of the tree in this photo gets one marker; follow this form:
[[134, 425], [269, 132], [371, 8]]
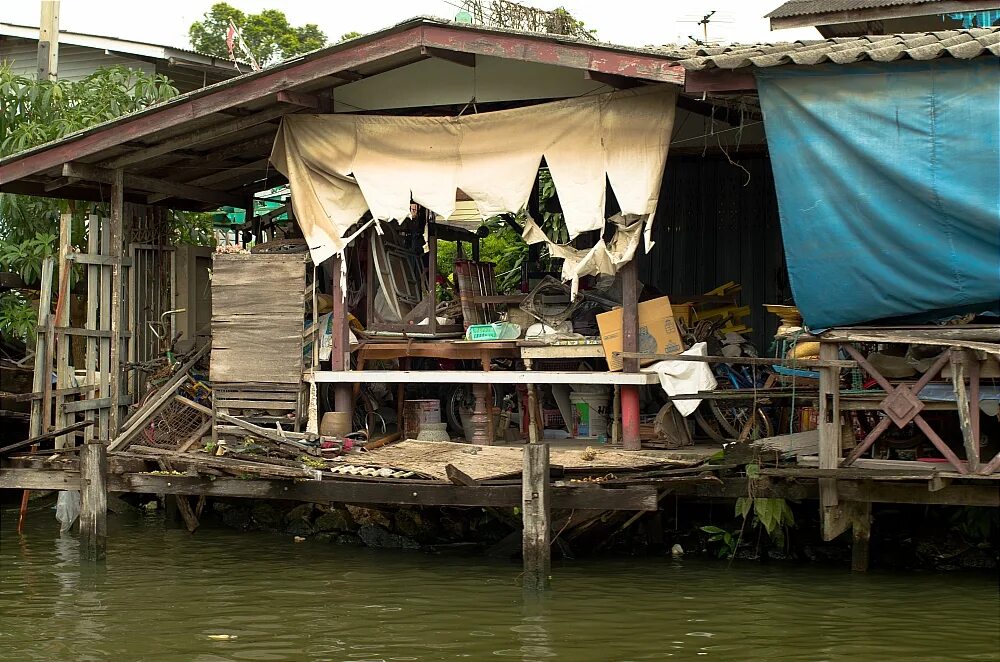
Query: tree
[[33, 112], [268, 35], [347, 36]]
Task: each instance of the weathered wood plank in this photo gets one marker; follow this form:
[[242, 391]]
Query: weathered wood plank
[[480, 377], [347, 491]]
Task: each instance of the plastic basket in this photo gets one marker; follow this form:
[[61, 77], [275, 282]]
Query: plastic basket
[[482, 332], [495, 331]]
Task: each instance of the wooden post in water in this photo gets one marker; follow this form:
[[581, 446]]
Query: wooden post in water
[[861, 530], [535, 542], [93, 500]]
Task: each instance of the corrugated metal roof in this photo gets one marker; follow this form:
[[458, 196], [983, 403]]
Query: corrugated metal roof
[[807, 7], [961, 44], [116, 44]]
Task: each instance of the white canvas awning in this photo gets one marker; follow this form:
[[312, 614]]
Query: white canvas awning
[[340, 166]]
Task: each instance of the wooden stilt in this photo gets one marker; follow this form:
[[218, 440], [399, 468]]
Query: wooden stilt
[[114, 380], [94, 500], [630, 343], [64, 377], [861, 529], [534, 434], [535, 512], [833, 521], [960, 368]]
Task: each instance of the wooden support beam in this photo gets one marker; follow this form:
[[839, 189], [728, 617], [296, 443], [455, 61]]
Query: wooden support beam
[[117, 252], [192, 138], [535, 545], [612, 80], [960, 363], [93, 501], [833, 519], [340, 353], [59, 183], [106, 176], [301, 100], [479, 377], [720, 80], [575, 55], [353, 491], [456, 57], [223, 176], [64, 378]]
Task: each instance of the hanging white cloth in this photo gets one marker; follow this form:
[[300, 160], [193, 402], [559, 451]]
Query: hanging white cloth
[[685, 377], [339, 166]]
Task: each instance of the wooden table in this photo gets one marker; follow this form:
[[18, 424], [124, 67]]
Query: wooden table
[[483, 351]]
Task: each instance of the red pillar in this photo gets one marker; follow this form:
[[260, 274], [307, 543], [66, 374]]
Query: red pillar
[[630, 343]]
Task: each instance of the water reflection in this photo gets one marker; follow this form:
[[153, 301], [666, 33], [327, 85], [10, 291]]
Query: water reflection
[[219, 595]]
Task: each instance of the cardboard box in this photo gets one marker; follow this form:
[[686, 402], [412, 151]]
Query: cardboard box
[[658, 332]]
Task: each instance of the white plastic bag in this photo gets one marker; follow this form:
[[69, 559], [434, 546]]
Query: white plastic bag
[[67, 509]]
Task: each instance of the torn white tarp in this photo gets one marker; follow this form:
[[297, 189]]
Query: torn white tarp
[[685, 377], [602, 258], [339, 166]]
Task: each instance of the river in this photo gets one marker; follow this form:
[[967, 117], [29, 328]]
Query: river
[[165, 595]]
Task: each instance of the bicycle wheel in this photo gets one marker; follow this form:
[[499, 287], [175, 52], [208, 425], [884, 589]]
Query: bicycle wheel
[[709, 426], [740, 419]]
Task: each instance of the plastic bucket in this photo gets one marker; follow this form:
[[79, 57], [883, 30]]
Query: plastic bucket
[[592, 413], [418, 412]]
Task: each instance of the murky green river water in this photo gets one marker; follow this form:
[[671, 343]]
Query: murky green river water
[[164, 595]]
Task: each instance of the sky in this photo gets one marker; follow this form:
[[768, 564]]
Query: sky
[[625, 22]]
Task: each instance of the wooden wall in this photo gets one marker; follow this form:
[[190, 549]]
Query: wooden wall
[[258, 303]]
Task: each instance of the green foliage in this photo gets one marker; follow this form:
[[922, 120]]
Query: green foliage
[[192, 228], [565, 23], [504, 247], [268, 35], [26, 257], [34, 112], [17, 316], [774, 515], [347, 36], [725, 542]]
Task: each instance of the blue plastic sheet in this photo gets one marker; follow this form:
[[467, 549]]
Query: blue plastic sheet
[[888, 184]]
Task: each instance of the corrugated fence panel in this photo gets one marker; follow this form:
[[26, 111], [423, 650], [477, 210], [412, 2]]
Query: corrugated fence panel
[[717, 223]]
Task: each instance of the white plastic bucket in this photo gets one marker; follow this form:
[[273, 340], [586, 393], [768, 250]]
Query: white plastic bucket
[[598, 412], [418, 412]]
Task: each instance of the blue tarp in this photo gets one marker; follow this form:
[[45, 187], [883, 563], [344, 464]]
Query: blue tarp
[[888, 184]]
